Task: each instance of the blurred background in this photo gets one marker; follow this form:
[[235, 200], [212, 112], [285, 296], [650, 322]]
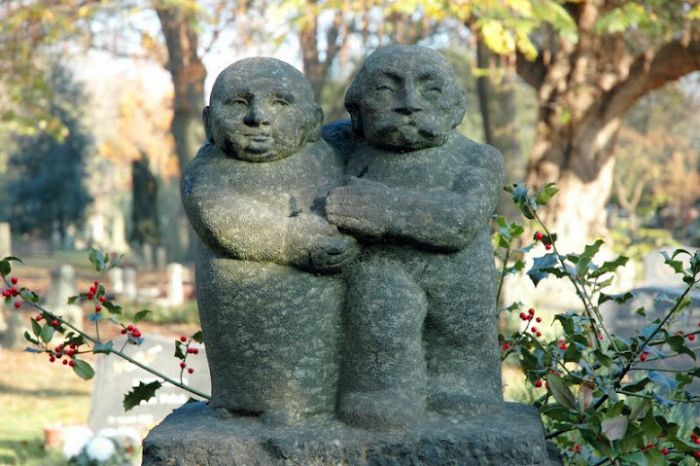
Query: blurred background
[[100, 108]]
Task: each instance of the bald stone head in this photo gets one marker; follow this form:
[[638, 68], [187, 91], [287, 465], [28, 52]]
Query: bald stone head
[[262, 109], [405, 98]]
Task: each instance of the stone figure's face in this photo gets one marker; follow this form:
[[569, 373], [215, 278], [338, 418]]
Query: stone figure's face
[[405, 98], [261, 110]]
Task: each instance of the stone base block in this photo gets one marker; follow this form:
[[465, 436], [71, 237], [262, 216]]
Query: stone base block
[[195, 435]]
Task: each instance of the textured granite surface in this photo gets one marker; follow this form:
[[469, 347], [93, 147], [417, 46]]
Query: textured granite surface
[[198, 435]]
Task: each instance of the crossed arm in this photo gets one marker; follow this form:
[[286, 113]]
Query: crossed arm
[[243, 228], [445, 220]]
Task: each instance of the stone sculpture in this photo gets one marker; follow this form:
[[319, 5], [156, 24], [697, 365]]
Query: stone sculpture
[[404, 337], [269, 304], [421, 304]]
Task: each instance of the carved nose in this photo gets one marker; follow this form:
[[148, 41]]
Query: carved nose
[[410, 102], [257, 117]]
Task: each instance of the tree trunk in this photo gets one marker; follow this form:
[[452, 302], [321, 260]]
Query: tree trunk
[[584, 90], [188, 73], [496, 90]]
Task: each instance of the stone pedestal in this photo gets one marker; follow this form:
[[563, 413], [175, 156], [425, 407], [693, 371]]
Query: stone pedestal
[[196, 434]]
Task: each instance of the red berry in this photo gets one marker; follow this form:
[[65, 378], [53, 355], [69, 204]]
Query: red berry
[[539, 236], [52, 359], [548, 246], [506, 346], [643, 356], [664, 451], [73, 347], [531, 311], [54, 323], [14, 291], [130, 328], [183, 338], [691, 337], [693, 436], [71, 363], [96, 283], [18, 304], [696, 440], [90, 295], [523, 316], [538, 383], [38, 318], [538, 320], [190, 370], [136, 333], [65, 362], [14, 280], [562, 346], [538, 334], [183, 365], [195, 351], [6, 293], [98, 308], [533, 329], [103, 299], [124, 331], [696, 454]]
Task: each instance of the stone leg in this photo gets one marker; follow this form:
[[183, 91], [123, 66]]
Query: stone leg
[[461, 336], [383, 369]]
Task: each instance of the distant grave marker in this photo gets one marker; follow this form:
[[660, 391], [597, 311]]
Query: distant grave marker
[[5, 240], [114, 378]]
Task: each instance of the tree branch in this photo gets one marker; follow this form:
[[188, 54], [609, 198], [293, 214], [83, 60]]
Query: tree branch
[[648, 72]]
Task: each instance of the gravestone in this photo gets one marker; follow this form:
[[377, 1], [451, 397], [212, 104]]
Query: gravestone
[[176, 291], [147, 259], [161, 258], [394, 361], [116, 280], [63, 286], [5, 240], [114, 377], [130, 290]]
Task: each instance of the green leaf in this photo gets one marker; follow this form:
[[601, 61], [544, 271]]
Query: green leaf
[[98, 259], [72, 300], [641, 409], [614, 428], [143, 392], [83, 369], [561, 392], [29, 295], [559, 413], [585, 259], [649, 426], [103, 348], [522, 200], [198, 337], [140, 315], [609, 266], [543, 266], [5, 267], [36, 327], [178, 350], [618, 298], [546, 193], [112, 308], [636, 386], [677, 344], [28, 336], [47, 333]]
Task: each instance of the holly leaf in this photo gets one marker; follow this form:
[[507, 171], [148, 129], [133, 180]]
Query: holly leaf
[[543, 266], [546, 193], [614, 428], [83, 370], [178, 350], [618, 298], [72, 300], [113, 308], [98, 259], [104, 348], [143, 392], [561, 392], [677, 344], [198, 337], [140, 315], [47, 333]]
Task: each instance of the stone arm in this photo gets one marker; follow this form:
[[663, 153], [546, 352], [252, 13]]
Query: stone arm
[[445, 220], [243, 228]]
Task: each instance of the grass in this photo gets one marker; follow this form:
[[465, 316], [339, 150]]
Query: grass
[[33, 394]]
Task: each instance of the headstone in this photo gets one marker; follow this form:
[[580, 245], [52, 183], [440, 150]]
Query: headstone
[[116, 280], [96, 233], [13, 335], [56, 241], [161, 258], [147, 256], [130, 290], [114, 377], [118, 241], [63, 286], [312, 366], [5, 240], [176, 290]]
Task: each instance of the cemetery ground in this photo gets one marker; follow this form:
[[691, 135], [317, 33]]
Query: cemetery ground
[[36, 395]]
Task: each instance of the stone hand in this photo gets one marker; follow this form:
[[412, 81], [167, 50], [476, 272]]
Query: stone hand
[[359, 207], [331, 253]]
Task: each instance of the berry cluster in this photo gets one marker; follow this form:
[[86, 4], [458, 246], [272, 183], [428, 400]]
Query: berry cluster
[[133, 331], [61, 351], [528, 318], [12, 292], [546, 240], [184, 348]]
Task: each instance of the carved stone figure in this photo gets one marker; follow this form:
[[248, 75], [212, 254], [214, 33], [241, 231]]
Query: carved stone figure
[[269, 304], [421, 303]]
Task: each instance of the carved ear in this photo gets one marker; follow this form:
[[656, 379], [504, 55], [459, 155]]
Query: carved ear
[[354, 111], [207, 127], [315, 123], [459, 109]]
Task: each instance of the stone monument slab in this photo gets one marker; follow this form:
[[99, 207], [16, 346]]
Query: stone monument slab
[[115, 377]]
